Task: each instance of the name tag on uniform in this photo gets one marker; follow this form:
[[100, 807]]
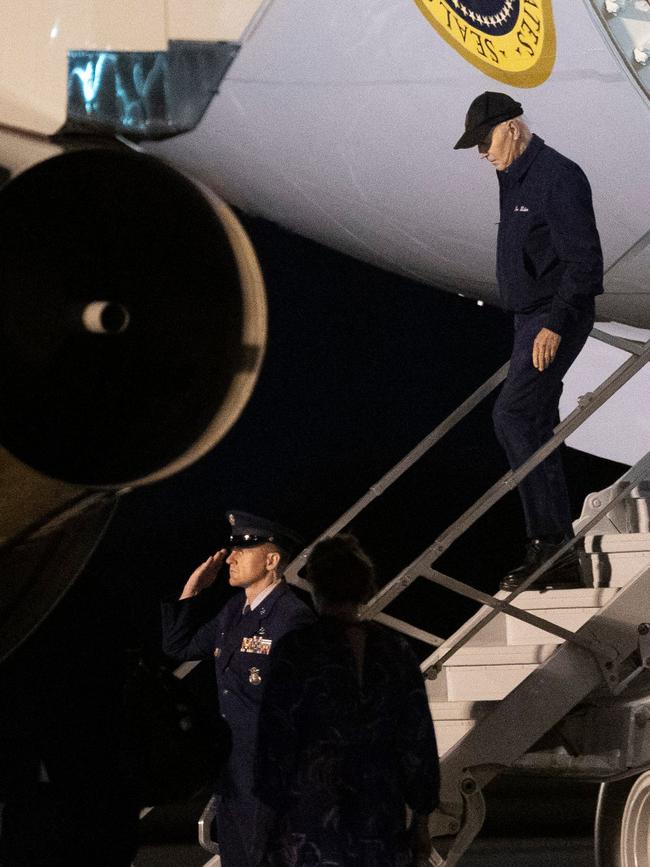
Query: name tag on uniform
[[256, 644]]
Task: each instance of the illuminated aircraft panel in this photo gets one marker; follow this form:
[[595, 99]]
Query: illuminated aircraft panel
[[338, 120]]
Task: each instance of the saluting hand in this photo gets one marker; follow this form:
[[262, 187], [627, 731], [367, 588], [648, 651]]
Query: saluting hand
[[545, 348], [204, 575]]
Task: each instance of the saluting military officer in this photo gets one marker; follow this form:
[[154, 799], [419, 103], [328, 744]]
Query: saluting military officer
[[240, 639]]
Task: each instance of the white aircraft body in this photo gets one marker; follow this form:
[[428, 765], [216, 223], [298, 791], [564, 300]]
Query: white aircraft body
[[337, 120]]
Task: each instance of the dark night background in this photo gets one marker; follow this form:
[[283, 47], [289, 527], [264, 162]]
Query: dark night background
[[360, 365]]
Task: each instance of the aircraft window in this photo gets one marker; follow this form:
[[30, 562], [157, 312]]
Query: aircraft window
[[627, 23], [145, 94]]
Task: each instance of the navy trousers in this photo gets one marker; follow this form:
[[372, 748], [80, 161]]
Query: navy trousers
[[235, 836], [241, 817], [525, 413]]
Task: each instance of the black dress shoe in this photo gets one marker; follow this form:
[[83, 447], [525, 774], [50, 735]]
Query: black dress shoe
[[564, 574]]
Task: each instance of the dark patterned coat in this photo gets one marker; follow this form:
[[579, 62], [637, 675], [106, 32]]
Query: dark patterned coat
[[338, 761]]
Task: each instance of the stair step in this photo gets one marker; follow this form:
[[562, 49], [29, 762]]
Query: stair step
[[498, 632], [522, 654], [520, 632], [584, 597], [570, 609], [454, 719], [616, 558], [449, 732], [490, 673], [486, 683], [618, 542], [617, 570], [494, 633], [459, 710]]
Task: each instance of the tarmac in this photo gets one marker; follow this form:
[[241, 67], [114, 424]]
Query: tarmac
[[530, 823], [489, 852]]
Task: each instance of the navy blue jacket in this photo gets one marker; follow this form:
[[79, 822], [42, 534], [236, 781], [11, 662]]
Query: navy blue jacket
[[241, 666], [548, 249]]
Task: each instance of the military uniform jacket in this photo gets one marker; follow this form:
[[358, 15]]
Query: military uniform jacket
[[548, 249], [240, 645]]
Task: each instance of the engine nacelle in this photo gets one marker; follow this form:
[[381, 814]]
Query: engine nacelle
[[132, 330]]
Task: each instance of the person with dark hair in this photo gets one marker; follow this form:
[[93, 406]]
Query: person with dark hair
[[241, 639], [345, 740]]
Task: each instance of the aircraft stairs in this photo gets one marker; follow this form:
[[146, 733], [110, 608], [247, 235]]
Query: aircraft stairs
[[519, 698], [554, 682], [492, 663]]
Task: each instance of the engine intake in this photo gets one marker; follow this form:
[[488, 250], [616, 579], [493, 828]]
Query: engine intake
[[132, 330], [132, 318]]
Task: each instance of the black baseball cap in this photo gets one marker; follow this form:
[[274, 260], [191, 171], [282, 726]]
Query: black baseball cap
[[487, 110]]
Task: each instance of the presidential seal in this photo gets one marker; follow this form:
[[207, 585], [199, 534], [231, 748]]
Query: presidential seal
[[510, 40]]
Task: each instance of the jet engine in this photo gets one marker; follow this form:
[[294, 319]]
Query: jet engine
[[132, 330]]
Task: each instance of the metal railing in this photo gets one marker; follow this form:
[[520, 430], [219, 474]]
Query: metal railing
[[422, 566], [399, 469]]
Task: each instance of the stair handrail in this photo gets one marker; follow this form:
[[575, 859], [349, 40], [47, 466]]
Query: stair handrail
[[376, 490], [422, 565], [587, 405], [433, 663], [502, 604], [635, 348]]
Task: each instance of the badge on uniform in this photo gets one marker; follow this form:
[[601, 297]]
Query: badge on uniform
[[217, 652], [254, 676], [256, 644]]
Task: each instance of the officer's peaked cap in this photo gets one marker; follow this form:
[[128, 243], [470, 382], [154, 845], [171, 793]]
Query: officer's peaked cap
[[247, 531]]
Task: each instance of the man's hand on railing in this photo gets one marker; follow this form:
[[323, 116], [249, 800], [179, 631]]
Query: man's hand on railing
[[204, 575]]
